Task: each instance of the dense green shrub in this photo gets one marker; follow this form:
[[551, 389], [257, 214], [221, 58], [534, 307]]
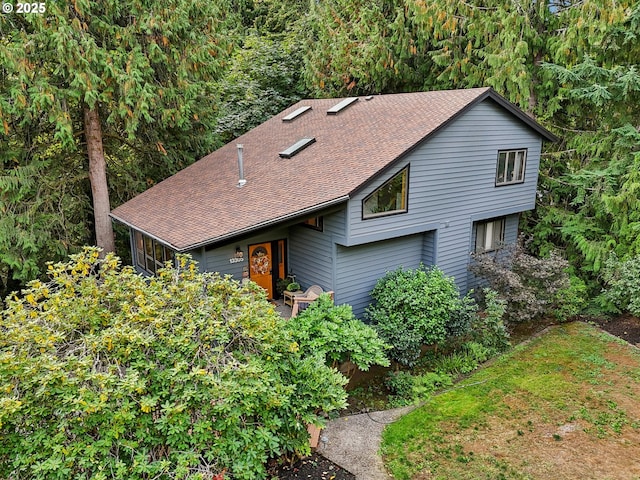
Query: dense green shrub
[[335, 334], [412, 308], [400, 384], [462, 318], [464, 360], [622, 284], [533, 287], [488, 328], [406, 387], [106, 374]]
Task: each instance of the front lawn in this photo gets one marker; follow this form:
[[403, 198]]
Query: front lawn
[[565, 405]]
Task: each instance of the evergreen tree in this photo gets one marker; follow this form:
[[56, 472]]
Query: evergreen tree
[[124, 87], [591, 181], [573, 65]]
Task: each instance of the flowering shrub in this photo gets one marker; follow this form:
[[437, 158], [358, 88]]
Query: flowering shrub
[[107, 374]]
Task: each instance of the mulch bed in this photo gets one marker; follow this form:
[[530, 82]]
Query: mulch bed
[[318, 467], [626, 327], [315, 467]]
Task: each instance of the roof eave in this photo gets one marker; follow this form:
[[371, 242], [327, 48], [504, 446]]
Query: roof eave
[[148, 234], [243, 231], [516, 111]]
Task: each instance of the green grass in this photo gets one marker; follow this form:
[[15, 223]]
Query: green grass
[[508, 420]]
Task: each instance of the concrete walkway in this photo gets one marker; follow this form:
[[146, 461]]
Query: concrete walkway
[[354, 442]]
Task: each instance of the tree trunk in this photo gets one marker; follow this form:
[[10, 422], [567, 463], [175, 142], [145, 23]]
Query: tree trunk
[[98, 180], [533, 100]]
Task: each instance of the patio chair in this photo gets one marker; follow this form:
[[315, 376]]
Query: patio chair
[[308, 296]]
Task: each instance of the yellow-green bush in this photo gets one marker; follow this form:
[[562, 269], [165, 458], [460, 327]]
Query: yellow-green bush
[[107, 374]]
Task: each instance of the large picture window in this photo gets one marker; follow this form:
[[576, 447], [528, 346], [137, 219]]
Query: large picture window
[[511, 165], [489, 235], [390, 198], [151, 255]]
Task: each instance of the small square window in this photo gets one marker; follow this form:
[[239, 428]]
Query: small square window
[[511, 167], [489, 235], [314, 222]]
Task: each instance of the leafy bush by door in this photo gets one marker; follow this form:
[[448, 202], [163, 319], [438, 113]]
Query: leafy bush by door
[[336, 335]]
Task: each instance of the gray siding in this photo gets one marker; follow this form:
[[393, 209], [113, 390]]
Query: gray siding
[[311, 253], [217, 260], [429, 248], [452, 183], [511, 230], [359, 267]]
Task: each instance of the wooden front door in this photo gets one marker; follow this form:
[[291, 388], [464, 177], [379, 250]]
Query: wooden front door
[[261, 266]]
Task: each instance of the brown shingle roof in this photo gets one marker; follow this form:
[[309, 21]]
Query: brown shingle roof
[[202, 203]]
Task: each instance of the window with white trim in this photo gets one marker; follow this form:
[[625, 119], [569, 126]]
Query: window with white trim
[[150, 255], [390, 198], [511, 165], [490, 235]]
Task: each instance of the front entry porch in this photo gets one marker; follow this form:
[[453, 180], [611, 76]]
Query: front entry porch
[[267, 263], [293, 302]]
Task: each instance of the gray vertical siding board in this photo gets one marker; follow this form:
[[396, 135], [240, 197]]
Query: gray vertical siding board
[[511, 228], [358, 268], [453, 249], [428, 248], [452, 177], [311, 253]]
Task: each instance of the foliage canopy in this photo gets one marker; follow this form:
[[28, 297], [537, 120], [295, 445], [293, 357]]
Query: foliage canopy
[[144, 72], [107, 374]]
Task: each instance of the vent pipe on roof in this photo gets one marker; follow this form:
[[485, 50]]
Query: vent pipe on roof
[[241, 181]]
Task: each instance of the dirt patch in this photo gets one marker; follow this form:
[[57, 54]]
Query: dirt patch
[[315, 467], [626, 327]]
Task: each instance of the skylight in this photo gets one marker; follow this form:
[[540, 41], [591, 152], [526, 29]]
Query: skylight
[[295, 114], [342, 105], [297, 147]]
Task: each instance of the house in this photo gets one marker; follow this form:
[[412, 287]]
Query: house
[[340, 191]]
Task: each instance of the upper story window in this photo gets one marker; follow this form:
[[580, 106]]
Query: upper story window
[[511, 165], [390, 198], [489, 235], [150, 254]]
